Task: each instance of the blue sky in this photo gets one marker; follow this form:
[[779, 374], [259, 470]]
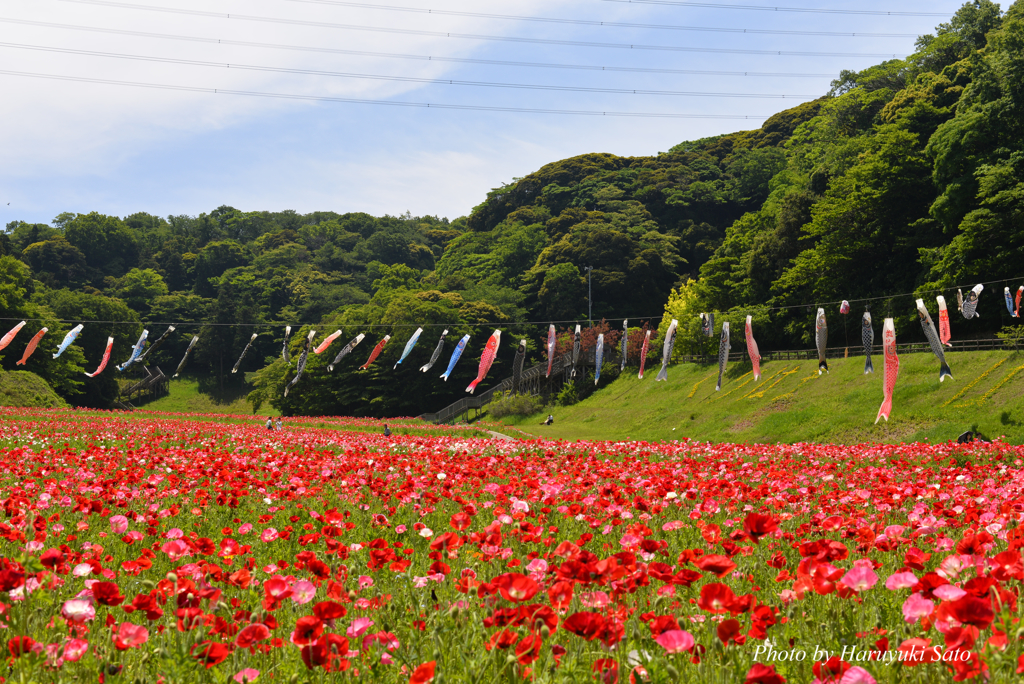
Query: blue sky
[[78, 146]]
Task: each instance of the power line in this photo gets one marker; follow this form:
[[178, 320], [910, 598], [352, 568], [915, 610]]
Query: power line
[[390, 103], [404, 79], [613, 24], [506, 324], [763, 8], [475, 36], [428, 58]]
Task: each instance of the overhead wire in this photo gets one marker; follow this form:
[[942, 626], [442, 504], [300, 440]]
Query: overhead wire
[[404, 79], [475, 36], [428, 58], [769, 8], [888, 298], [612, 24], [388, 103]]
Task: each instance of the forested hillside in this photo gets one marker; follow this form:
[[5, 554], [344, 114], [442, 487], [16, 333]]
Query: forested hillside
[[906, 177]]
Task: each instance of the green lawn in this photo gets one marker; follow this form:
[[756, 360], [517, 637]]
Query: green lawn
[[185, 397], [791, 403]]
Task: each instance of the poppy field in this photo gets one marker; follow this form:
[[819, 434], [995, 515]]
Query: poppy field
[[159, 549]]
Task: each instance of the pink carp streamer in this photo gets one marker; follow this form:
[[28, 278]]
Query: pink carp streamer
[[486, 359], [643, 354], [375, 353], [10, 335], [892, 369], [31, 347], [1020, 291], [552, 340], [106, 357], [327, 342], [944, 334], [755, 355]]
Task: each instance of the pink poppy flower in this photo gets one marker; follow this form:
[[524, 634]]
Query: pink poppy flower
[[900, 580], [857, 675], [860, 577], [917, 606], [78, 610], [303, 591], [675, 641], [246, 675], [268, 535], [175, 549], [130, 636], [358, 627], [74, 649], [119, 524]]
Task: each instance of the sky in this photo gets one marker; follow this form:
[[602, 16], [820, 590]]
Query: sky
[[78, 137]]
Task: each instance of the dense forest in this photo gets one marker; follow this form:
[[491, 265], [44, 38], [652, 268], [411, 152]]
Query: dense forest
[[907, 177]]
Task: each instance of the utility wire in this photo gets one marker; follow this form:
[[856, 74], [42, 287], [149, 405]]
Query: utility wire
[[506, 324], [389, 103], [764, 8], [428, 58], [475, 36], [613, 24], [404, 79]]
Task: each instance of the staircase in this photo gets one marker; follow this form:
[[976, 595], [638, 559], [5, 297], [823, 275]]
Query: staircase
[[532, 382], [152, 384]]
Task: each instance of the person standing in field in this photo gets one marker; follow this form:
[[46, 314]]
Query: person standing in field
[[270, 423]]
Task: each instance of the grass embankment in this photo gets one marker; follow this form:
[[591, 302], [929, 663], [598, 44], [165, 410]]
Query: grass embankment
[[791, 403], [186, 397], [22, 389]]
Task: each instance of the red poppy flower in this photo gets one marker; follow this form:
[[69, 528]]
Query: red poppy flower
[[461, 521], [758, 525], [763, 674], [662, 623], [329, 610], [516, 587], [211, 653], [11, 578], [327, 652], [729, 630], [607, 670], [560, 595], [51, 558], [715, 598], [715, 564], [971, 610], [831, 669], [528, 649], [19, 646], [502, 639], [916, 558], [307, 629], [424, 674], [107, 593], [586, 625], [446, 540], [916, 651], [251, 634]]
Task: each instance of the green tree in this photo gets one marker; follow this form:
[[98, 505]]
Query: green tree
[[56, 262], [109, 246], [139, 288]]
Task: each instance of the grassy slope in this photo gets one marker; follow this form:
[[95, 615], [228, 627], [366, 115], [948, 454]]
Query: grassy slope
[[791, 403], [22, 388], [185, 397]]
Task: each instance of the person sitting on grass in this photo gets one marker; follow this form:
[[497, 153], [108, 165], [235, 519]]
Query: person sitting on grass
[[387, 430], [549, 421]]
